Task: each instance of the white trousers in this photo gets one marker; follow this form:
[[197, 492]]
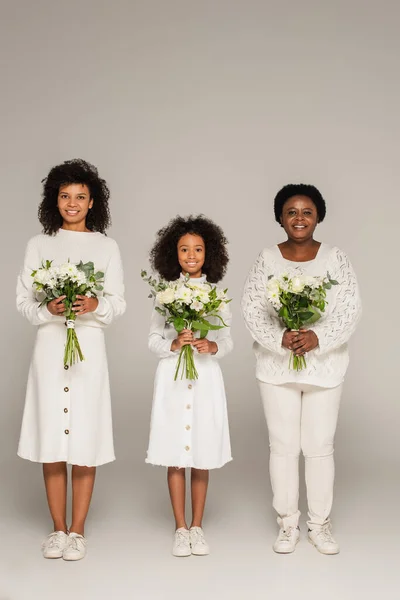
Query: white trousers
[[301, 418]]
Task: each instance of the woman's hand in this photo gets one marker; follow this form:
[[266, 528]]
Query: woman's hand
[[83, 305], [204, 346], [288, 338], [304, 341], [184, 339], [56, 307]]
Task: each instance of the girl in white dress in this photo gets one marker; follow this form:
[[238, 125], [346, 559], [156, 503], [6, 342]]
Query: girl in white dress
[[189, 421], [67, 415]]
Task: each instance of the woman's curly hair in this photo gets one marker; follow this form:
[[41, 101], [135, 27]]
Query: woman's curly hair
[[164, 253], [299, 189], [74, 171]]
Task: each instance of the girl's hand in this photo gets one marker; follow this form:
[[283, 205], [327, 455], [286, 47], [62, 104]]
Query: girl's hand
[[288, 338], [184, 339], [83, 305], [204, 346], [305, 341], [56, 307]]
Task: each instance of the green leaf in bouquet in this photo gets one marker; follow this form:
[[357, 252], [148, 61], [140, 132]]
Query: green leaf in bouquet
[[161, 311], [82, 288], [306, 315], [98, 275], [179, 324], [98, 287]]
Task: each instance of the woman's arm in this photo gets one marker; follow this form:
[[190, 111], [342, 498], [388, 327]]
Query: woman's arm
[[337, 328], [112, 304], [265, 330], [27, 304]]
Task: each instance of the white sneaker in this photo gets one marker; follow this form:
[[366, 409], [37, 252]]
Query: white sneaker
[[53, 546], [76, 547], [287, 540], [322, 539], [181, 545], [198, 542]]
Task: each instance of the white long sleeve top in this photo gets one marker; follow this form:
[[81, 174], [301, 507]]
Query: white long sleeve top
[[74, 246], [327, 364], [161, 335]]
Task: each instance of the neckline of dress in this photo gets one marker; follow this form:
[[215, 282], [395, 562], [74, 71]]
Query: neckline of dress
[[201, 279]]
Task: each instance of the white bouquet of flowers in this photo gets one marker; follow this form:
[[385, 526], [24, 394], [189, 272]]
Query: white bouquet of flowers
[[188, 304], [68, 280], [299, 300]]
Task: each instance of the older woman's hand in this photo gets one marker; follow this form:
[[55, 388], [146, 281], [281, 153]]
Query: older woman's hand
[[288, 338], [304, 341]]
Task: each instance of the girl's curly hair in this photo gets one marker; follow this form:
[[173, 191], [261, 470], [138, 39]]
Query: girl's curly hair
[[164, 253], [74, 171]]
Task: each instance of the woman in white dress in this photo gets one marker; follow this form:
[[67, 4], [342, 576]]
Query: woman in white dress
[[301, 408], [189, 421], [67, 415]]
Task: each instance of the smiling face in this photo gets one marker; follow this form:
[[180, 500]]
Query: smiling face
[[299, 218], [74, 202], [191, 254]]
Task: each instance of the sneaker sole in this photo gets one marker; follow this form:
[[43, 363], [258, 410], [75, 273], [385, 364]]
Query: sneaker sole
[[73, 559], [52, 557], [328, 553], [286, 551]]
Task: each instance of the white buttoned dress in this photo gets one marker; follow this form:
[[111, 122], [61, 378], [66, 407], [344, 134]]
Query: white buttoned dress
[[189, 419], [67, 415]]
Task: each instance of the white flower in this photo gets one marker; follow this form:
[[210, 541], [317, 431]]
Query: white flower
[[222, 306], [88, 294], [273, 285], [196, 305], [168, 295], [297, 284], [67, 270], [273, 297], [204, 297], [42, 276], [184, 294], [221, 295]]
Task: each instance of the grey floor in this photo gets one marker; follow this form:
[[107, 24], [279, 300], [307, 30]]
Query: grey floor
[[130, 531]]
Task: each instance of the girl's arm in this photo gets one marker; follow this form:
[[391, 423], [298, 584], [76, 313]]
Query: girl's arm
[[337, 328], [223, 337], [27, 304], [265, 330], [112, 304], [157, 342]]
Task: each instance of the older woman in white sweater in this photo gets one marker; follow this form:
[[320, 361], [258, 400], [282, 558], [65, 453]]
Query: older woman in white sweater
[[301, 407]]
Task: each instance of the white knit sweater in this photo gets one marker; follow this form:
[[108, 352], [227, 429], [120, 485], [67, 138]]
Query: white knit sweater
[[327, 364]]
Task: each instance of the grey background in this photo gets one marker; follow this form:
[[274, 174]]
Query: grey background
[[207, 106]]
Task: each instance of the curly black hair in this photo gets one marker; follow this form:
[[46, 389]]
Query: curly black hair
[[74, 171], [164, 253], [299, 189]]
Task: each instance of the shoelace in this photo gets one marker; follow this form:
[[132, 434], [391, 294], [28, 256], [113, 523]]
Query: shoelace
[[74, 542], [198, 537], [325, 534], [54, 540], [181, 539], [286, 534]]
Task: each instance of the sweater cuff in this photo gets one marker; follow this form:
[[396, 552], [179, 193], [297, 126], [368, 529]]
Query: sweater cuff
[[44, 315], [101, 308]]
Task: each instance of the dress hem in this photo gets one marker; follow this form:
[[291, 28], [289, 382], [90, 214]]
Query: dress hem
[[54, 460], [187, 465]]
